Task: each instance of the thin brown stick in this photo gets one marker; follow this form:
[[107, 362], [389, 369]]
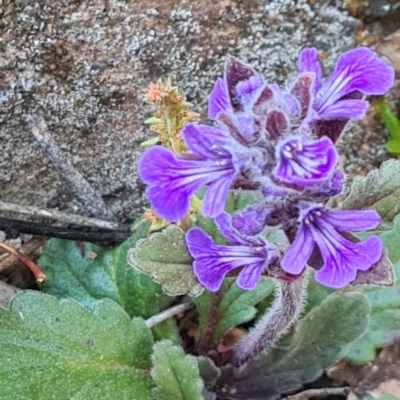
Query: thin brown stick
[[58, 216], [39, 275], [84, 234], [76, 184], [7, 292], [27, 249], [307, 394], [168, 313]]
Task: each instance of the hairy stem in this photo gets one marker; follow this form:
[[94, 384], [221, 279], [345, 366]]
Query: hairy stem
[[207, 341], [285, 310]]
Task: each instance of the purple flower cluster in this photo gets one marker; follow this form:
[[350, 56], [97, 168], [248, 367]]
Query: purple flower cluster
[[280, 144]]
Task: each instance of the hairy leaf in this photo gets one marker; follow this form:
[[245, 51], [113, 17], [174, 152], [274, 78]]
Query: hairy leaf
[[229, 307], [86, 273], [176, 375], [379, 190], [209, 373], [57, 349], [319, 341], [165, 258]]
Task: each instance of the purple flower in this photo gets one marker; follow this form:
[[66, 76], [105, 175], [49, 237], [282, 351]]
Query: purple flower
[[329, 188], [305, 163], [212, 262], [252, 220], [358, 70], [218, 100], [325, 229], [172, 180]]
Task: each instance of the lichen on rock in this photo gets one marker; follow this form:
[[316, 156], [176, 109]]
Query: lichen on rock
[[84, 64]]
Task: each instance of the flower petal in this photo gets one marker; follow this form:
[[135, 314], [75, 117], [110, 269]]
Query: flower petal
[[330, 187], [224, 224], [334, 127], [305, 164], [352, 220], [308, 62], [343, 262], [169, 203], [206, 142], [218, 100], [215, 197], [212, 261], [252, 220], [172, 181], [356, 70], [296, 258], [342, 257], [250, 275], [344, 109]]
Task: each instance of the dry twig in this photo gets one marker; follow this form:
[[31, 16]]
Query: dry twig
[[170, 312], [75, 182], [58, 216], [307, 394], [99, 236], [27, 250], [39, 275]]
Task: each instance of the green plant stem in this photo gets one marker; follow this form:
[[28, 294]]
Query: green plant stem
[[207, 342]]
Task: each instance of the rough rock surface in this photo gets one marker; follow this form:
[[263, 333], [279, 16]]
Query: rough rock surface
[[84, 64]]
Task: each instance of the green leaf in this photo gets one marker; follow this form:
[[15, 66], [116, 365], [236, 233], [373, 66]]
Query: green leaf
[[393, 146], [165, 258], [166, 330], [319, 341], [90, 272], [175, 374], [57, 349], [392, 124], [387, 397], [379, 190], [229, 307], [150, 142], [153, 121], [209, 373], [384, 324]]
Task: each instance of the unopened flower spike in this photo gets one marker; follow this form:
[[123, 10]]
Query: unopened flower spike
[[172, 113]]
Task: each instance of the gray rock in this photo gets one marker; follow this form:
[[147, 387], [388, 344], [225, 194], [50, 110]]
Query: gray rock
[[84, 64]]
